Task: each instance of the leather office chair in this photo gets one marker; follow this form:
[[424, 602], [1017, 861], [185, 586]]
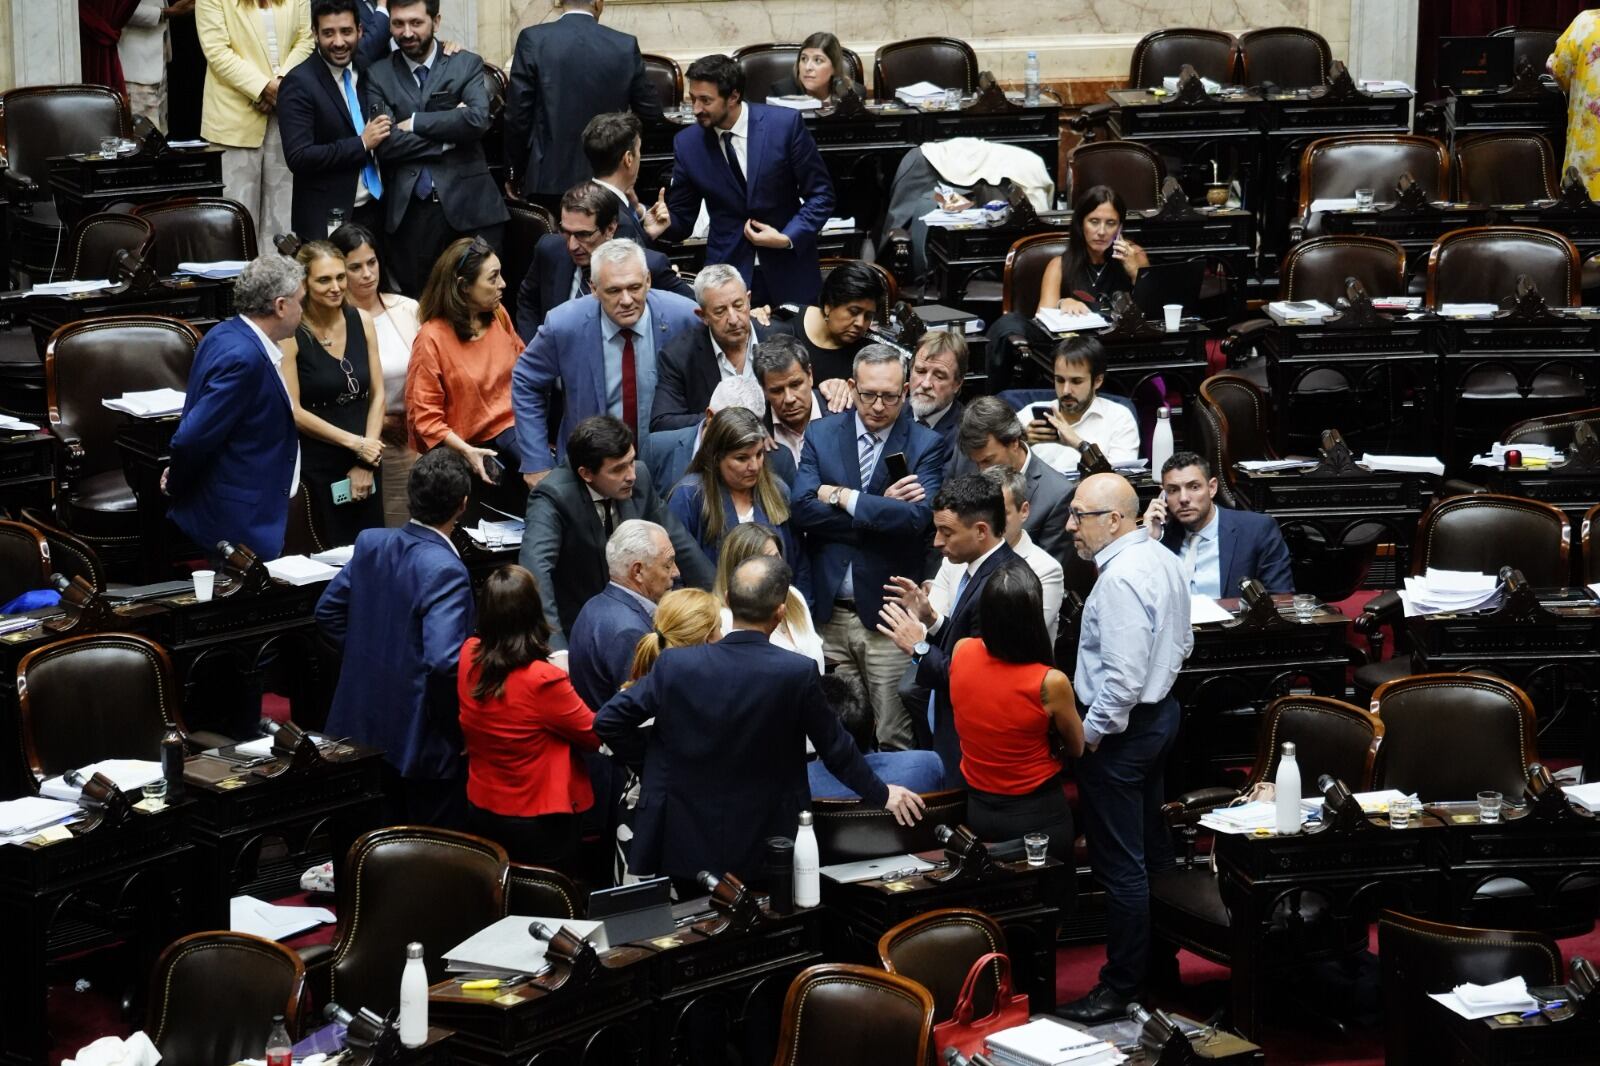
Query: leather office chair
[[1556, 430], [1316, 269], [1024, 269], [83, 363], [765, 65], [1530, 44], [24, 560], [197, 229], [402, 884], [537, 890], [1482, 263], [1287, 56], [213, 995], [100, 696], [936, 949], [843, 1015], [1447, 736], [1334, 167], [69, 556], [1133, 169], [1233, 422], [1420, 957], [1505, 168], [496, 85], [945, 61], [666, 77], [96, 241], [1162, 54], [528, 223], [1591, 551], [849, 831]]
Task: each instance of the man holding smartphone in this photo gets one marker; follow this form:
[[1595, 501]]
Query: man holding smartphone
[[1080, 413]]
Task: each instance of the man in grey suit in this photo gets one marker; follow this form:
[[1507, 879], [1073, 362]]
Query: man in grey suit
[[991, 435], [436, 183], [578, 506]]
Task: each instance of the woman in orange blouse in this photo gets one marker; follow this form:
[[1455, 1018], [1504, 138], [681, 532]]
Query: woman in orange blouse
[[524, 727], [458, 386]]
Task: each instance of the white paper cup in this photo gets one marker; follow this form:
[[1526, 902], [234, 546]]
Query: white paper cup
[[205, 583], [1173, 314]]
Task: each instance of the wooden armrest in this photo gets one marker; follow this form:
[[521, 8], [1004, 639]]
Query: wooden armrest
[[1381, 610]]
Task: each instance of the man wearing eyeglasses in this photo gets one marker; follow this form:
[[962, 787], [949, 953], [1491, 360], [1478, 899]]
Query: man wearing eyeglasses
[[1132, 642], [862, 497]]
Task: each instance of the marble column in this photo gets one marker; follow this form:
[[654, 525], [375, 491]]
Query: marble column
[[1383, 39], [458, 21], [44, 43]]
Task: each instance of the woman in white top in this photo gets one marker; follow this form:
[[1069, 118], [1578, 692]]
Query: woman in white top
[[796, 633], [394, 317]]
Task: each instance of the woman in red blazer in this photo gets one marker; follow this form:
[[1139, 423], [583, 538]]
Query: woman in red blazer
[[524, 727]]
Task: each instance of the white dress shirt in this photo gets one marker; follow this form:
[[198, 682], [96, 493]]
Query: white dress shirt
[[1041, 562], [1106, 423], [792, 440], [942, 594], [725, 369]]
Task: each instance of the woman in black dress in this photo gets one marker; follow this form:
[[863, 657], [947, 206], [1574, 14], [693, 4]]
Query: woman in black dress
[[333, 372], [837, 329]]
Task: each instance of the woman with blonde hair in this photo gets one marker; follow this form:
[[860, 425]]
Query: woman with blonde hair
[[683, 617], [796, 632]]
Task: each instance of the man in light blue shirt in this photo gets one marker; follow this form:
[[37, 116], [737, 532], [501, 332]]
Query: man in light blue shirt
[[1218, 547], [1132, 642]]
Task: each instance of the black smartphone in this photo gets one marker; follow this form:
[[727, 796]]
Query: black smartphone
[[493, 469], [1041, 411], [896, 465]]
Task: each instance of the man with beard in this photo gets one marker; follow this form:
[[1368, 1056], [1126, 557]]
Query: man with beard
[[691, 366], [436, 183], [1081, 414], [328, 141], [937, 371], [1218, 546]]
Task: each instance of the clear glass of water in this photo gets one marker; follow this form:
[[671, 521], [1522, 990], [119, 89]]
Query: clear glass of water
[[110, 146], [155, 793], [1036, 843], [1363, 198], [1400, 812], [1305, 606], [1489, 804], [952, 99]]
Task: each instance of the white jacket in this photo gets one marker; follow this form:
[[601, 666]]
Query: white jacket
[[143, 47]]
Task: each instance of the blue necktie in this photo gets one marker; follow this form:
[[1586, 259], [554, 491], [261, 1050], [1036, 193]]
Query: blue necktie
[[961, 587], [424, 187], [369, 174]]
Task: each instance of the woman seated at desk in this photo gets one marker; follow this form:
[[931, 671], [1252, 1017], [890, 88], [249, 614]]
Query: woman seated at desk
[[819, 71], [835, 331]]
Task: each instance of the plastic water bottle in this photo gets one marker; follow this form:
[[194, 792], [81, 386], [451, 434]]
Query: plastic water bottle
[[1286, 791], [279, 1051], [1161, 441], [335, 219], [414, 998], [807, 878], [1030, 80]]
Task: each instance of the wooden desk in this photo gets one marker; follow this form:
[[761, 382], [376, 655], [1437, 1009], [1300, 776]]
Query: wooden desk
[[1024, 900], [89, 183], [1536, 110], [234, 812], [146, 445], [1535, 1041], [125, 880], [1224, 129], [27, 469], [1415, 231]]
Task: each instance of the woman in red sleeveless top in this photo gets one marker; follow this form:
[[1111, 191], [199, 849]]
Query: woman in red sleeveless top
[[1007, 701]]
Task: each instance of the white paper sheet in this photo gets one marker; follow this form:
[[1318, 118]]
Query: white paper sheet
[[1411, 464], [21, 818], [299, 570], [506, 948], [1058, 321], [246, 914], [129, 775], [1204, 609], [151, 403]]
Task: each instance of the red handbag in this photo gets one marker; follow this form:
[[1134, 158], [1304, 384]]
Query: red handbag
[[964, 1034]]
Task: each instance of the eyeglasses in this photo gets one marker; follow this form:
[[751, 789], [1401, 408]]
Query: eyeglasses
[[1075, 515], [876, 399], [352, 391], [579, 234]]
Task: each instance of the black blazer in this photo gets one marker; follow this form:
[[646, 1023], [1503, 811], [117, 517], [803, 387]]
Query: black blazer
[[468, 194], [933, 672], [375, 35], [686, 375], [563, 74], [321, 145], [564, 545], [548, 282]]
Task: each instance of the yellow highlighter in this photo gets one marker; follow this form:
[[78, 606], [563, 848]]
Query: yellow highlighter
[[480, 986]]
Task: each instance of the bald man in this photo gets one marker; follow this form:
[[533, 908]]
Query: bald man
[[1133, 639]]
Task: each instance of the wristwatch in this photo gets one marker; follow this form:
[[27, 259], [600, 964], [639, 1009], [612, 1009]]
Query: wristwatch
[[833, 497], [918, 650]]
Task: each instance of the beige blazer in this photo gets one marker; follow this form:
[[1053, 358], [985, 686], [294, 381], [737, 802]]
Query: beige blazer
[[238, 67]]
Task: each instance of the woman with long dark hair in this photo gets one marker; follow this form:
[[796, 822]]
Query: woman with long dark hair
[[524, 727], [837, 328], [1007, 701], [820, 71], [1099, 261]]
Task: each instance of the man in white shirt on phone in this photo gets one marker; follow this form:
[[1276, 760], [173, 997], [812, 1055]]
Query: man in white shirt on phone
[[1080, 414]]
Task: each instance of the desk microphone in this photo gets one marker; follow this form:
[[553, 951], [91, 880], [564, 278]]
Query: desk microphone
[[952, 1057]]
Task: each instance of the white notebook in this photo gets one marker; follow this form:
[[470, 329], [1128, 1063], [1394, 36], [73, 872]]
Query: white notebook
[[507, 948]]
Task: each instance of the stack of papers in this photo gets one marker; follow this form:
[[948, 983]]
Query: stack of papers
[[152, 403], [505, 948], [1481, 1001], [848, 873], [1171, 84], [21, 818], [506, 533], [1468, 310], [336, 556], [1586, 796], [1532, 455], [246, 914], [1308, 311], [837, 225], [70, 288], [1056, 320], [796, 103], [1047, 1042], [919, 93], [17, 622], [16, 425], [129, 775], [1396, 303], [972, 216], [222, 268], [1204, 609], [1245, 818], [299, 570], [1409, 464], [1333, 203], [1382, 85], [197, 143], [1439, 591], [1272, 466], [1371, 802]]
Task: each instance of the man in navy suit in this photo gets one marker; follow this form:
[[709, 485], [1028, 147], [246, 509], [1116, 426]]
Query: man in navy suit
[[236, 454], [563, 73], [559, 269], [762, 181], [1218, 546], [640, 561], [626, 324], [693, 365], [864, 525], [327, 139], [614, 145], [969, 524], [375, 38], [401, 609], [725, 767]]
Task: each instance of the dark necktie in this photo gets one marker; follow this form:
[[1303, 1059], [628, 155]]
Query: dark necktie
[[733, 159], [630, 406], [611, 517], [424, 187]]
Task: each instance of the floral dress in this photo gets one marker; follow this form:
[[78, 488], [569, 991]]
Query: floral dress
[[1576, 66]]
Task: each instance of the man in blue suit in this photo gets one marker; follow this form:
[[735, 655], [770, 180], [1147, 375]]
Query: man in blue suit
[[375, 37], [762, 180], [400, 610], [625, 324], [236, 454], [327, 139], [864, 525], [559, 271], [1218, 546], [639, 559], [725, 767]]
